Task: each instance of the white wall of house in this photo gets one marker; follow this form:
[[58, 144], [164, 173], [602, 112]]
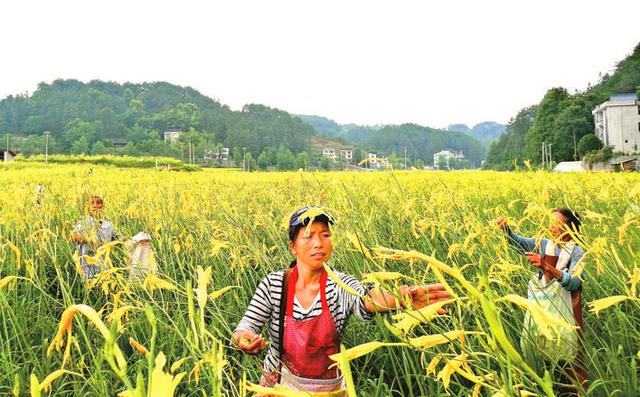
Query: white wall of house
[[444, 156], [617, 123], [171, 136], [329, 152], [346, 154], [7, 156]]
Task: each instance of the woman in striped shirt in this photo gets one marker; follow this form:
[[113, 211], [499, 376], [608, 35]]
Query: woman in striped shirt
[[307, 311]]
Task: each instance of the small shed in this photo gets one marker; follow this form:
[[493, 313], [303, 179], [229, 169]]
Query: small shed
[[119, 143], [8, 155], [569, 166], [625, 163]]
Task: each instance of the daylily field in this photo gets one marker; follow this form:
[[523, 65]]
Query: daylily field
[[216, 234]]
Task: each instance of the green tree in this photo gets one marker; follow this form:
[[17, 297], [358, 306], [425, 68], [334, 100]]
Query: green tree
[[251, 163], [285, 160], [237, 156], [358, 155], [134, 112], [326, 163], [81, 146], [572, 123], [77, 129], [264, 161], [302, 161], [543, 127], [33, 144], [99, 148], [129, 149], [589, 143]]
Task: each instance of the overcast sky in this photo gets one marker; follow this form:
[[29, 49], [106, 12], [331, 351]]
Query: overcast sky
[[366, 62]]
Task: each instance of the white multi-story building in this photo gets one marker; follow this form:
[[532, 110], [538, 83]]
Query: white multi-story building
[[372, 159], [223, 154], [382, 162], [442, 158], [172, 135], [330, 153], [617, 122], [346, 154]]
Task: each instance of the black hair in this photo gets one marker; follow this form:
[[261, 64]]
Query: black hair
[[573, 219]]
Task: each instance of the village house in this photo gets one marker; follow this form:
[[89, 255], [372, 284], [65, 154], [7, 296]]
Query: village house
[[346, 154], [442, 159], [617, 122], [330, 153], [172, 135]]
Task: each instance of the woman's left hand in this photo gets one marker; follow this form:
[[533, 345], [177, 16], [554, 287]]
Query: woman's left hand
[[424, 295], [535, 259]]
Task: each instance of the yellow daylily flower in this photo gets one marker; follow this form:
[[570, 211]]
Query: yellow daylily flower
[[204, 276], [380, 277], [216, 294], [428, 341], [358, 245], [600, 304], [66, 324], [363, 349], [342, 285], [37, 387], [153, 282], [406, 321], [6, 280], [216, 246], [163, 384], [139, 347], [16, 251], [547, 322]]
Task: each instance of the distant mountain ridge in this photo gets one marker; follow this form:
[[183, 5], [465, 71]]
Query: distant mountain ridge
[[130, 118], [420, 142], [485, 132]]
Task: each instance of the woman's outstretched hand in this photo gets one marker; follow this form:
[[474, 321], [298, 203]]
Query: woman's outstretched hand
[[249, 342], [424, 295]]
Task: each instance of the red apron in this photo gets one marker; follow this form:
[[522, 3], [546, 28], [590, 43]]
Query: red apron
[[308, 343]]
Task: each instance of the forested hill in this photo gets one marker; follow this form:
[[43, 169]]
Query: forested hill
[[485, 132], [421, 142], [105, 117], [561, 119], [89, 117]]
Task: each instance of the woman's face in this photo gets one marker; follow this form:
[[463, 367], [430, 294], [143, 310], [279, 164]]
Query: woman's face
[[313, 246], [559, 227], [95, 205]]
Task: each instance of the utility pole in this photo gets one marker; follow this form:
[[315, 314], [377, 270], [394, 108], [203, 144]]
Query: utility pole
[[46, 146], [575, 146], [542, 156], [244, 159], [549, 154], [405, 158]]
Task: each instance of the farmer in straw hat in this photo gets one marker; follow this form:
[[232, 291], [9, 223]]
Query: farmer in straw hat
[[307, 311]]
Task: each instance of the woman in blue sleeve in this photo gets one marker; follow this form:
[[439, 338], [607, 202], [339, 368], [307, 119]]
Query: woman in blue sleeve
[[557, 288]]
